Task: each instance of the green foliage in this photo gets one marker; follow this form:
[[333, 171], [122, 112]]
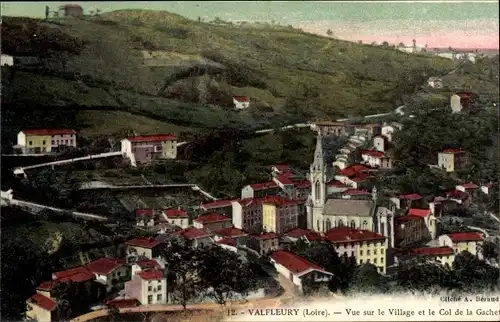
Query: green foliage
[[212, 270], [324, 254], [490, 249], [120, 79], [471, 273], [367, 279], [430, 131], [225, 274]]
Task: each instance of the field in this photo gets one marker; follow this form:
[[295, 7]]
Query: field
[[147, 71]]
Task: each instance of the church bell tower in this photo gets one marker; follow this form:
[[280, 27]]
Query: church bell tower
[[317, 177]]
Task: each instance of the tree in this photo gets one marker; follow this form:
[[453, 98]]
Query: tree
[[401, 44], [367, 280], [421, 275], [471, 273], [329, 32], [324, 254], [224, 274], [181, 270], [491, 249], [385, 44]]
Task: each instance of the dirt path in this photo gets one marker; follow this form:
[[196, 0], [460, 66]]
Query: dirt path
[[288, 294]]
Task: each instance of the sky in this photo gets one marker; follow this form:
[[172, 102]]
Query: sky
[[459, 24]]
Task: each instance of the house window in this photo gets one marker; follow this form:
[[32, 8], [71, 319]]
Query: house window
[[150, 288], [158, 288], [368, 261], [66, 141], [30, 143], [361, 253], [374, 252], [360, 262], [43, 142], [53, 142], [375, 261], [150, 299], [368, 252], [158, 297]]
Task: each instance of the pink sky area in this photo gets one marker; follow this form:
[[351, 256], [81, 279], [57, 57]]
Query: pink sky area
[[457, 34]]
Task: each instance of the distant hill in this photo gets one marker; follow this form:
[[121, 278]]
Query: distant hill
[[155, 71]]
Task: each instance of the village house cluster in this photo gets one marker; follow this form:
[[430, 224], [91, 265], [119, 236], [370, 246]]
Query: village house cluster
[[141, 149], [337, 203]]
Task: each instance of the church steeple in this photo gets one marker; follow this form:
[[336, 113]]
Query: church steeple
[[317, 175], [318, 164]]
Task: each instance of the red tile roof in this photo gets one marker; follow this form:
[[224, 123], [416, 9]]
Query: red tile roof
[[430, 251], [302, 184], [43, 302], [252, 202], [152, 138], [373, 153], [457, 194], [230, 232], [265, 236], [218, 203], [75, 274], [143, 242], [227, 241], [462, 237], [284, 178], [278, 201], [294, 263], [356, 192], [193, 233], [176, 213], [299, 232], [48, 131], [105, 265], [345, 234], [122, 303], [452, 150], [361, 177], [410, 196], [211, 218], [151, 274], [144, 212], [264, 185], [403, 219], [336, 183], [469, 185], [352, 170], [147, 263], [241, 99], [419, 212]]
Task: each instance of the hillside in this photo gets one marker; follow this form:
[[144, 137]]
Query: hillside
[[178, 74]]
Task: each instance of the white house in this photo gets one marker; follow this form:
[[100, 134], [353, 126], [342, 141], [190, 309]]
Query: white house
[[389, 129], [435, 82], [380, 143], [7, 60], [148, 286], [145, 264], [177, 217], [485, 188], [196, 237], [108, 271], [460, 242], [241, 102], [298, 269], [372, 157]]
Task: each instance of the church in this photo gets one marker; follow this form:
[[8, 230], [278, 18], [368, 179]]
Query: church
[[325, 212]]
